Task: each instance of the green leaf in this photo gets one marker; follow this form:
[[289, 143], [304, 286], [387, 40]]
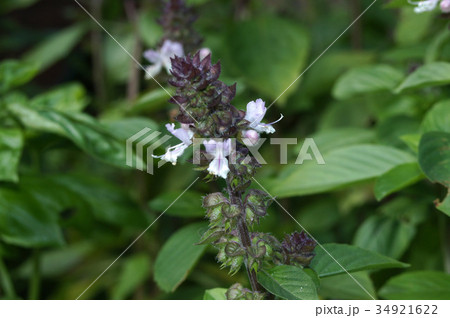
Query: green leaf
[[343, 287], [14, 73], [106, 201], [343, 167], [124, 128], [367, 79], [444, 206], [151, 101], [117, 62], [58, 262], [432, 74], [412, 141], [83, 130], [56, 47], [437, 118], [24, 221], [10, 5], [350, 258], [11, 144], [320, 78], [190, 205], [87, 194], [419, 285], [149, 29], [178, 256], [288, 282], [385, 235], [135, 271], [397, 4], [411, 20], [269, 53], [434, 157], [396, 179], [331, 139], [67, 98], [215, 294]]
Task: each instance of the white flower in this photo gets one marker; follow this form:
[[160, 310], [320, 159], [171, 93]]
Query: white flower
[[161, 58], [219, 149], [445, 6], [255, 113], [185, 135], [424, 6]]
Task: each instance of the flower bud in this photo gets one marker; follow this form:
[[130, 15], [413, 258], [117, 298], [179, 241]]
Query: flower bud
[[445, 6], [258, 201], [204, 52], [231, 210], [233, 249], [238, 292], [251, 136], [298, 248], [214, 199]]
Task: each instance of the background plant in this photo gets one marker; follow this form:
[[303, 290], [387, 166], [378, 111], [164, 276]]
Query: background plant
[[376, 104]]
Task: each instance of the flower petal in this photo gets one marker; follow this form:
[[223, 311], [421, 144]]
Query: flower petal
[[183, 133], [219, 167], [173, 153], [255, 112]]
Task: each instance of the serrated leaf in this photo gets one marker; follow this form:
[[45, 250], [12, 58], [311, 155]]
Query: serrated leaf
[[434, 157], [367, 79], [396, 179], [215, 294], [11, 144], [417, 285], [350, 258], [343, 167], [178, 256], [288, 282], [432, 74]]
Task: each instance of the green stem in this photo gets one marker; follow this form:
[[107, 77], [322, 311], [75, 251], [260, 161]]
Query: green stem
[[244, 235], [6, 281], [35, 280]]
